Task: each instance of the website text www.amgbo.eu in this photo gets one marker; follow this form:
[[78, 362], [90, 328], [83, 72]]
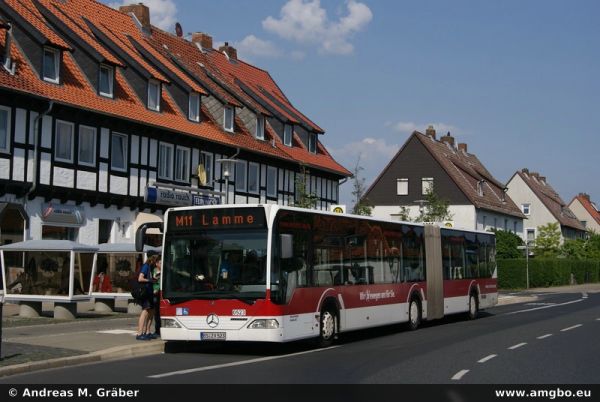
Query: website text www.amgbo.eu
[[557, 393]]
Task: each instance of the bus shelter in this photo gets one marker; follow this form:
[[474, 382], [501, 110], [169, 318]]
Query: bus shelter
[[116, 268], [37, 271]]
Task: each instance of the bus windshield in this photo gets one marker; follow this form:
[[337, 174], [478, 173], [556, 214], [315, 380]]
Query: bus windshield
[[215, 265]]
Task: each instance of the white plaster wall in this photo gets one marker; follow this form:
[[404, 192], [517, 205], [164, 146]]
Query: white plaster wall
[[19, 165], [4, 168], [45, 168], [463, 216], [583, 215], [63, 177], [86, 180], [118, 185], [487, 224], [520, 193]]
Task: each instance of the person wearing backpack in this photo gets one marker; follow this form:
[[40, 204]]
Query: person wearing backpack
[[145, 279]]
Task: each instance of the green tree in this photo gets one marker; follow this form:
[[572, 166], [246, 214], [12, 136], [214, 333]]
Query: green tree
[[361, 204], [435, 208], [592, 245], [404, 214], [576, 249], [304, 198], [547, 243], [507, 244]]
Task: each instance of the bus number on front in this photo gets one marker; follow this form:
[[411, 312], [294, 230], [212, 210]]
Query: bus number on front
[[183, 220]]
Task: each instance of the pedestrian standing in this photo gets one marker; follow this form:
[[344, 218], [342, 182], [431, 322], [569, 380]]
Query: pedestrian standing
[[145, 279], [156, 287]]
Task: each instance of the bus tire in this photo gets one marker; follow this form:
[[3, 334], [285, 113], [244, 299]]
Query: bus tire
[[473, 311], [414, 313], [327, 327]]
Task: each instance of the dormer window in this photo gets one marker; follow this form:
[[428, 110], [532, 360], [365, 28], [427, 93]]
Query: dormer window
[[194, 107], [312, 143], [228, 117], [105, 84], [154, 95], [287, 135], [260, 127], [51, 65]]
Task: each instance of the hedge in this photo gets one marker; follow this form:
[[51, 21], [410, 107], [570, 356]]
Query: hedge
[[546, 272]]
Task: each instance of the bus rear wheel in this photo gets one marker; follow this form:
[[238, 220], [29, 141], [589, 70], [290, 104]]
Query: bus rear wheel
[[327, 328], [414, 314], [473, 306]]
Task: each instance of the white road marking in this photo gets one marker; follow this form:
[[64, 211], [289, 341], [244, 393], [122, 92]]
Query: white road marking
[[459, 375], [543, 307], [584, 295], [518, 345], [570, 328], [544, 336], [117, 332], [233, 364], [485, 359]]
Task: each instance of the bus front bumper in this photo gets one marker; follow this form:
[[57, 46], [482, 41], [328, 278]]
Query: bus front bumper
[[254, 330]]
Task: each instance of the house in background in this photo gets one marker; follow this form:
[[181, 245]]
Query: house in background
[[586, 211], [542, 205], [477, 200]]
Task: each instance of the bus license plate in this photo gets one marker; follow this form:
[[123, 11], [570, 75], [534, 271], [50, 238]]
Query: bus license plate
[[212, 336]]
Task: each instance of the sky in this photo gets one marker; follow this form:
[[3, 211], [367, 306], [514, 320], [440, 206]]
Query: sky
[[518, 81]]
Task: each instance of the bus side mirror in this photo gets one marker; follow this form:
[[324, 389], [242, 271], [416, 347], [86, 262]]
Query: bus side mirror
[[140, 234], [286, 241]]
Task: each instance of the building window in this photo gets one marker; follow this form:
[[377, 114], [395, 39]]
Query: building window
[[288, 132], [526, 209], [154, 95], [104, 230], [118, 153], [182, 164], [253, 178], [194, 107], [51, 65], [402, 186], [584, 224], [63, 147], [87, 146], [240, 176], [260, 127], [271, 181], [312, 143], [165, 161], [59, 233], [426, 185], [515, 227], [228, 117], [530, 235], [208, 167], [5, 129], [106, 81], [505, 225], [483, 222]]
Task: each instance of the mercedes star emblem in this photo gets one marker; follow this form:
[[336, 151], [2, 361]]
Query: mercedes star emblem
[[212, 320]]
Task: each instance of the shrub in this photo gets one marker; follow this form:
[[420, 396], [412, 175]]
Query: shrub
[[546, 272]]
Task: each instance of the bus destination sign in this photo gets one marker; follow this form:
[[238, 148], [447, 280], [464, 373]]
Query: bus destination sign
[[216, 219]]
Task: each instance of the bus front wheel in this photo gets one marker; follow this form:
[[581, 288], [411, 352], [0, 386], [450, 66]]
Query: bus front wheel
[[414, 314], [473, 306], [328, 327]]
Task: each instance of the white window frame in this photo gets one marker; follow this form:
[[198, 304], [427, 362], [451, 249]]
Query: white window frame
[[194, 112], [225, 126], [260, 127], [271, 187], [154, 83], [111, 74], [93, 151], [125, 151], [71, 141], [426, 184], [8, 128], [56, 53], [241, 176], [312, 143], [256, 167], [527, 230], [288, 135], [185, 178], [526, 206], [168, 164], [401, 183], [208, 167]]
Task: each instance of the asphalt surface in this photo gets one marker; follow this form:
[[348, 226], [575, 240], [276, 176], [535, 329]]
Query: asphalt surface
[[547, 338]]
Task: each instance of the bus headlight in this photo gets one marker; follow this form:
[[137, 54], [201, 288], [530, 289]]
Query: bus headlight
[[264, 324], [169, 323]]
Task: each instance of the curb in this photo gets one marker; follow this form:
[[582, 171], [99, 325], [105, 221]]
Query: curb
[[118, 352], [505, 300]]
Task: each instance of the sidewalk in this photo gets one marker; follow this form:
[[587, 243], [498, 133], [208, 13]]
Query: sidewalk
[[30, 344]]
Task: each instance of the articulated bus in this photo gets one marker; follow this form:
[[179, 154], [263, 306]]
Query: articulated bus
[[276, 274]]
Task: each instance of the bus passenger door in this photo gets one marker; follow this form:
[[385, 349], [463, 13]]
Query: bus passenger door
[[435, 278]]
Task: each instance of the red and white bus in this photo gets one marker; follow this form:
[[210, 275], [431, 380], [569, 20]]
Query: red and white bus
[[277, 274]]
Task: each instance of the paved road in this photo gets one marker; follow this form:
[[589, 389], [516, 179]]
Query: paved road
[[554, 340]]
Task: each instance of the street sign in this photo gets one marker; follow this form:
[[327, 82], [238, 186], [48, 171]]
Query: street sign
[[338, 209]]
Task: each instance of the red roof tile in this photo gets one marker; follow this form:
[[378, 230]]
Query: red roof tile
[[589, 206]]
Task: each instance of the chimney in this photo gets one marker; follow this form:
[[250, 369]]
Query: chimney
[[448, 139], [525, 170], [141, 12], [430, 132], [462, 147], [535, 175], [230, 51], [205, 40], [542, 180], [585, 196]]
